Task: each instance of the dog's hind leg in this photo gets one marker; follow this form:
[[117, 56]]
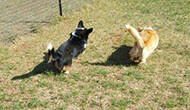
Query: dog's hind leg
[[67, 66], [144, 56], [65, 69], [56, 65]]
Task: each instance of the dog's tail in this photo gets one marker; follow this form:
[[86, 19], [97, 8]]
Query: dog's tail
[[135, 34], [51, 52]]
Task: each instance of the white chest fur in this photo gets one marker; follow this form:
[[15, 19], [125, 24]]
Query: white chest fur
[[85, 45]]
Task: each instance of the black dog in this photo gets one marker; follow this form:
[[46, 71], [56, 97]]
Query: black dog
[[75, 45]]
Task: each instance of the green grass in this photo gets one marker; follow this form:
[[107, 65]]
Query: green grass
[[103, 78], [22, 17]]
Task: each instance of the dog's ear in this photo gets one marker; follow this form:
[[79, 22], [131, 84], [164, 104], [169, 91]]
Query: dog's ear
[[90, 30], [80, 24]]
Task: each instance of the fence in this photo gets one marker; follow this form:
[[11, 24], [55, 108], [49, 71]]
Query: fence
[[19, 17]]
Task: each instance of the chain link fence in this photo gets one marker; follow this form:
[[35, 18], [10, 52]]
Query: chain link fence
[[19, 17]]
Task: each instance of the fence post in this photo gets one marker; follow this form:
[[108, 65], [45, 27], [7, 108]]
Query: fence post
[[60, 8]]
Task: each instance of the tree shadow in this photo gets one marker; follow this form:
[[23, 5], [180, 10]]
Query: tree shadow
[[42, 67], [119, 57]]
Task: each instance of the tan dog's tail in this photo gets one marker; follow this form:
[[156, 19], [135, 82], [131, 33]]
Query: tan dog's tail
[[135, 34]]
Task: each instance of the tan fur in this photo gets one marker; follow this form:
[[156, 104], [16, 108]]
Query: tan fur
[[50, 58], [56, 65], [146, 41], [65, 69]]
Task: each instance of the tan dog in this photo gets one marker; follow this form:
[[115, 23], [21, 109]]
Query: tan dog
[[146, 41]]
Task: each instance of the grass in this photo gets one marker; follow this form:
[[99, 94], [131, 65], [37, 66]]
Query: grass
[[32, 15], [103, 78]]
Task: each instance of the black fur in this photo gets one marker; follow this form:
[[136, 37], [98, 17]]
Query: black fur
[[72, 48]]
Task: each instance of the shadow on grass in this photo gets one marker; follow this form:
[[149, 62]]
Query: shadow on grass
[[40, 68], [119, 57]]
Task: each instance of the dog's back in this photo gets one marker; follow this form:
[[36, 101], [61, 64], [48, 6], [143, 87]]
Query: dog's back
[[150, 39], [70, 49]]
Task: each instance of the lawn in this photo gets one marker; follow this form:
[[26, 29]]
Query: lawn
[[20, 17], [103, 77]]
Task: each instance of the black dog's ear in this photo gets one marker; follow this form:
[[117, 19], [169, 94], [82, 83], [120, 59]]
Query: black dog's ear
[[80, 24], [90, 30]]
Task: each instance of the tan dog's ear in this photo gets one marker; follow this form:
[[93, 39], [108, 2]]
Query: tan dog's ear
[[140, 29]]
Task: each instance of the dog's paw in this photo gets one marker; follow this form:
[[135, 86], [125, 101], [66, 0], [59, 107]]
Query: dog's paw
[[142, 62], [127, 26], [66, 72]]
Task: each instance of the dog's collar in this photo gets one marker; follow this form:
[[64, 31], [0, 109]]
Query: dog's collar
[[74, 32], [74, 35]]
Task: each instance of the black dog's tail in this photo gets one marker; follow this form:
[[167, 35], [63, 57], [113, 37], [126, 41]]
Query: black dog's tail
[[51, 52]]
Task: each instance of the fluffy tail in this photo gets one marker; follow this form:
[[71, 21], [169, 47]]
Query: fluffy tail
[[135, 34], [51, 52]]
